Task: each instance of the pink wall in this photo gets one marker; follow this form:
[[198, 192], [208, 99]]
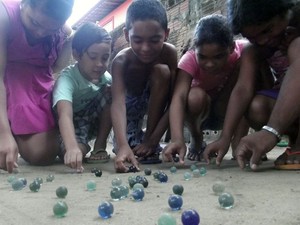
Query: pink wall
[[116, 17]]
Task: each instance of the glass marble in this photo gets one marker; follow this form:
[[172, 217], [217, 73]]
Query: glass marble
[[39, 180], [24, 181], [178, 189], [190, 217], [60, 209], [50, 178], [116, 193], [226, 200], [173, 169], [218, 187], [11, 178], [166, 219], [162, 177], [187, 176], [34, 186], [98, 173], [91, 185], [196, 173], [132, 181], [124, 191], [142, 180], [17, 185], [203, 171], [155, 175], [138, 194], [105, 210], [116, 182], [61, 192], [137, 185], [147, 171], [175, 202], [193, 167]]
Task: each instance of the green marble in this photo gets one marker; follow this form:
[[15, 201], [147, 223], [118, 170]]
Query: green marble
[[60, 209], [166, 219], [61, 192]]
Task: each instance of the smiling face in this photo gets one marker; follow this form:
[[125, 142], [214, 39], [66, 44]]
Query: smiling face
[[267, 34], [146, 39], [212, 57], [93, 62], [36, 24]]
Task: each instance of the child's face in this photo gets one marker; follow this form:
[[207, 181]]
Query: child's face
[[268, 34], [212, 58], [146, 39], [93, 62], [36, 24]]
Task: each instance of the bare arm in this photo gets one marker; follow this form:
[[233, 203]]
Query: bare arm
[[64, 57], [177, 115], [287, 109], [242, 93], [73, 156], [8, 147], [118, 115]]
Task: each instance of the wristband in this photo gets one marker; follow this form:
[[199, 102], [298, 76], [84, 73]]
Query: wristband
[[273, 131]]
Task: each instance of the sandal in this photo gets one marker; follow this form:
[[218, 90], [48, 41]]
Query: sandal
[[195, 155], [152, 159], [98, 156], [284, 161]]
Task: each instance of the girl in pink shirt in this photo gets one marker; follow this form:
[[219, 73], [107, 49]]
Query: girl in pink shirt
[[206, 75], [33, 46]]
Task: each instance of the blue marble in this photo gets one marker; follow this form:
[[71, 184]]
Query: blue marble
[[138, 194], [105, 210], [175, 202], [190, 217], [162, 177]]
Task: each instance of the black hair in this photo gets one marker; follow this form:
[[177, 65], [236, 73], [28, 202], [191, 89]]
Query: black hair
[[213, 29], [145, 10], [243, 13], [88, 34], [59, 10]]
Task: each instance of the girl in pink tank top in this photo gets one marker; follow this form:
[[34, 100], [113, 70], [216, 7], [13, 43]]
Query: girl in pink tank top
[[33, 37]]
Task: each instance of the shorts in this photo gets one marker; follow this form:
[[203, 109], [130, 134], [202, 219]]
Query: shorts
[[271, 93], [136, 108], [86, 121]]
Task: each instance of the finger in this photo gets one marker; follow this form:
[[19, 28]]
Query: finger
[[181, 157], [241, 159], [79, 167], [220, 157], [135, 163], [10, 162], [120, 167], [206, 155], [255, 160]]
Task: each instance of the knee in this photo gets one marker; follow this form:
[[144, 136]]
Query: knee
[[258, 113], [38, 157], [160, 74], [198, 100]]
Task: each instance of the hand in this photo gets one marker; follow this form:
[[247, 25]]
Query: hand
[[8, 153], [143, 150], [73, 159], [220, 147], [125, 154], [253, 147], [173, 149]]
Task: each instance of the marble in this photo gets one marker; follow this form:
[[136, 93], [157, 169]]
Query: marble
[[178, 189], [91, 185], [218, 187], [175, 202], [105, 210], [34, 186], [60, 209], [166, 219], [138, 194], [61, 192], [190, 217], [226, 200]]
